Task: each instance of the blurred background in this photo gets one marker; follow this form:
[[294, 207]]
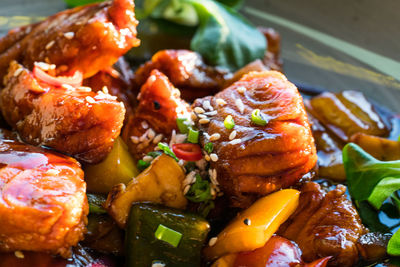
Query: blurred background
[[332, 45]]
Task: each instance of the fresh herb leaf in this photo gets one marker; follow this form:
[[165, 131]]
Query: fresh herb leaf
[[224, 37], [142, 165], [393, 247], [370, 217], [200, 191], [165, 148]]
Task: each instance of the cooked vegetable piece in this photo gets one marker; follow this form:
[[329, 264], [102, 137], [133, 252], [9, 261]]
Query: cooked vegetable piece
[[265, 215], [118, 167], [143, 246], [186, 151], [159, 183], [96, 202], [225, 261], [380, 148], [347, 113]]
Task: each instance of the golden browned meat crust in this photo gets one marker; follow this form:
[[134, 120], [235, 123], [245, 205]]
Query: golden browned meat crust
[[325, 224], [259, 159], [43, 205], [77, 122], [155, 117], [187, 71], [87, 39]]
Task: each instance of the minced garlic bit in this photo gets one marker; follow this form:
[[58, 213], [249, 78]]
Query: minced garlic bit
[[239, 105], [69, 35], [220, 102], [232, 135], [212, 241], [19, 254], [50, 44], [215, 137], [18, 72], [202, 116], [85, 89], [214, 157], [241, 89], [199, 110], [204, 121], [135, 139], [236, 141], [90, 100], [68, 87]]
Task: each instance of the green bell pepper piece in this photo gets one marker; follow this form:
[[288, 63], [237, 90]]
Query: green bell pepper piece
[[145, 243]]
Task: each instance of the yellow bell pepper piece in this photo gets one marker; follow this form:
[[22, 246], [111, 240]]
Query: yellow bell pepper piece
[[263, 219], [225, 261]]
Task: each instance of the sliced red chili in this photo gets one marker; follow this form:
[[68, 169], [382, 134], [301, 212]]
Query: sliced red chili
[[186, 151], [74, 80]]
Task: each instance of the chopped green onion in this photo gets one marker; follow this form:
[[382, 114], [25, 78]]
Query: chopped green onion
[[209, 147], [168, 235], [229, 122], [154, 154], [164, 147], [142, 165], [182, 126], [200, 191], [193, 136], [256, 118]]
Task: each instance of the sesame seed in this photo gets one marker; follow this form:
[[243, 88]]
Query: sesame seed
[[187, 187], [90, 100], [85, 88], [143, 136], [220, 102], [236, 141], [207, 157], [232, 135], [158, 138], [18, 72], [151, 134], [211, 113], [49, 44], [214, 157], [52, 172], [69, 35], [241, 89], [135, 139], [212, 241], [202, 116], [207, 105], [239, 105], [148, 158], [145, 125], [19, 254], [215, 137], [204, 121], [104, 89], [68, 87], [199, 110]]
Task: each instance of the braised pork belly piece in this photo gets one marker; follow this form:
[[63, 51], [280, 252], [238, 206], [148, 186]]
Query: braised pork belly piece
[[187, 71], [85, 39], [43, 205], [325, 224], [258, 155], [75, 121], [155, 117]]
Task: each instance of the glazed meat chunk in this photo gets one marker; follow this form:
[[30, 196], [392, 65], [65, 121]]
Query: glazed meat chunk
[[155, 117], [85, 39], [43, 204], [74, 121], [187, 71], [325, 224], [256, 160]]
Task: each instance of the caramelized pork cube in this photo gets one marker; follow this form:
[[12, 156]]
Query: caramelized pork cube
[[187, 71], [347, 113], [155, 117], [325, 224], [85, 39], [254, 160], [74, 121], [43, 205]]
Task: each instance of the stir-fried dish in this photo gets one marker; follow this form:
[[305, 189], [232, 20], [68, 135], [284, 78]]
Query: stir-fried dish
[[193, 158]]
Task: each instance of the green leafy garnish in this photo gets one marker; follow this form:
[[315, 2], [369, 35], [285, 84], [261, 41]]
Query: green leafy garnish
[[165, 148], [200, 191], [154, 154], [96, 203], [371, 182], [209, 147], [142, 165]]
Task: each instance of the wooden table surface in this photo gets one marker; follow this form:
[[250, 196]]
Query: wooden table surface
[[334, 45]]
